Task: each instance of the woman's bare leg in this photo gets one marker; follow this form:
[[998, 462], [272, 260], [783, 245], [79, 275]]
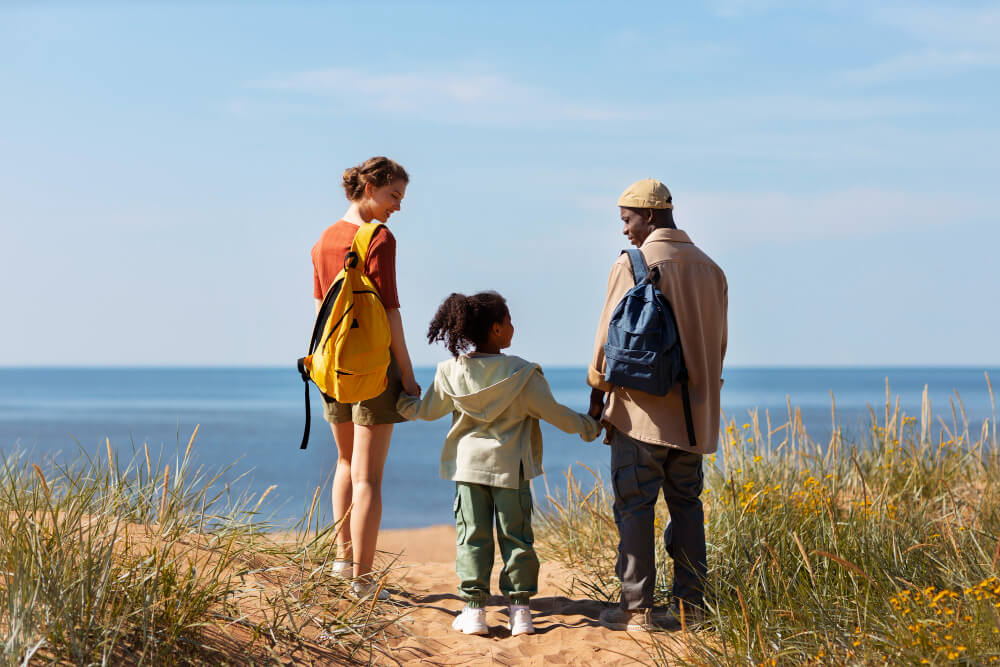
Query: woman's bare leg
[[343, 435], [371, 446]]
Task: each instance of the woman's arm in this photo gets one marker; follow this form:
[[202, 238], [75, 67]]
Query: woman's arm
[[399, 351], [398, 346]]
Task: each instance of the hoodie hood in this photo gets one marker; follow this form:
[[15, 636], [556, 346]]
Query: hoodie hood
[[483, 387]]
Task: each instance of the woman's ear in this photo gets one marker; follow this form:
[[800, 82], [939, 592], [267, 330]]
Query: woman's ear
[[369, 190]]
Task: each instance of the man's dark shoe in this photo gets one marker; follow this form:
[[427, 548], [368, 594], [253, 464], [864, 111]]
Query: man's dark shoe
[[635, 620], [672, 617]]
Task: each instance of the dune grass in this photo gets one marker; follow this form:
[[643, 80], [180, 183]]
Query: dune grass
[[156, 563], [881, 547]]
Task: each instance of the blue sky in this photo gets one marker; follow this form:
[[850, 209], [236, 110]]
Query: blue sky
[[165, 169]]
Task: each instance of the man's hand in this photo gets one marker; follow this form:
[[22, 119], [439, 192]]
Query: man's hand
[[596, 404]]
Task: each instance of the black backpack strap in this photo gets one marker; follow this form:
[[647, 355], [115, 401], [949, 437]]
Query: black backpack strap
[[305, 380], [638, 264], [688, 420]]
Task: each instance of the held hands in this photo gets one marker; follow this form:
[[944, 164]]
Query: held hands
[[410, 385], [592, 431]]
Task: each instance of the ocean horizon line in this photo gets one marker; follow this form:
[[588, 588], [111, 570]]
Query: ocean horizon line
[[265, 367]]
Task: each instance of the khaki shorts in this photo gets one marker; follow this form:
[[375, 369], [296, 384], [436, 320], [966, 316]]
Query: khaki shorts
[[378, 410]]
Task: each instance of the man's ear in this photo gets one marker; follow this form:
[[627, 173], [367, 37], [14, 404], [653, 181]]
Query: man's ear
[[650, 215]]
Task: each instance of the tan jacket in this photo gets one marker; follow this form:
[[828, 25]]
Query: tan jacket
[[696, 288], [495, 402]]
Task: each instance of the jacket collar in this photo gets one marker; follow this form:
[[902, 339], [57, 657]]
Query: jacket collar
[[671, 235]]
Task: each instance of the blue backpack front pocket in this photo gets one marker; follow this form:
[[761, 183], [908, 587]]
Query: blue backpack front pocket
[[643, 349]]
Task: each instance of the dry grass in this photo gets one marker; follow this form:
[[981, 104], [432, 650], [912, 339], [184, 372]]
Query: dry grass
[[881, 548], [147, 563]]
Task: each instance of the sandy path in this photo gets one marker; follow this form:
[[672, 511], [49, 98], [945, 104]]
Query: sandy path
[[567, 630]]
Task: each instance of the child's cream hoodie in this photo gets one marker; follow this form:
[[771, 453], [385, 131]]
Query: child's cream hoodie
[[496, 401]]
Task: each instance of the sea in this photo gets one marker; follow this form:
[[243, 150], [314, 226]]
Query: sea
[[250, 423]]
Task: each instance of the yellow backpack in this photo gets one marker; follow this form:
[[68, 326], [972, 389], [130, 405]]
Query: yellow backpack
[[349, 349]]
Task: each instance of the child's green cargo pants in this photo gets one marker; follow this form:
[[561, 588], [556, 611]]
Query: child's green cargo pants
[[476, 507]]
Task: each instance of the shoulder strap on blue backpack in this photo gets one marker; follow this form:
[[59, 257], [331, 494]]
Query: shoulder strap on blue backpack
[[639, 273], [638, 264]]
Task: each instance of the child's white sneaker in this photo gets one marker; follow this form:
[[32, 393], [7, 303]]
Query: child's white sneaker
[[519, 622], [471, 622]]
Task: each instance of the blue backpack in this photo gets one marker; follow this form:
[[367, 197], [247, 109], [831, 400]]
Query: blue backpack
[[644, 346]]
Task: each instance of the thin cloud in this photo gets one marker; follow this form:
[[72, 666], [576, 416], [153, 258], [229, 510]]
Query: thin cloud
[[458, 97], [950, 40], [939, 25], [391, 89], [740, 219], [923, 65], [740, 8], [828, 108], [674, 55], [490, 98], [853, 213]]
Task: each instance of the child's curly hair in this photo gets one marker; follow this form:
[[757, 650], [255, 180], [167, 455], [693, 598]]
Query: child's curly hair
[[462, 322]]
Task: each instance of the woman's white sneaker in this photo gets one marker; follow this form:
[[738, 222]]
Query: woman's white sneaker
[[520, 620], [471, 622], [362, 590], [342, 568]]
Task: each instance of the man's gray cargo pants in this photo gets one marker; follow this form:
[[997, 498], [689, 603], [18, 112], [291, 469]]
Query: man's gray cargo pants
[[638, 472]]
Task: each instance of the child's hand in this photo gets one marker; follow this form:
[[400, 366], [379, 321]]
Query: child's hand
[[593, 429], [407, 404]]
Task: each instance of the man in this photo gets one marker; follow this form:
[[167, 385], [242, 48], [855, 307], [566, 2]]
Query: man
[[650, 445]]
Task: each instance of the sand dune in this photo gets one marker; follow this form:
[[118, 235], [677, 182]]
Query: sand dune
[[425, 586]]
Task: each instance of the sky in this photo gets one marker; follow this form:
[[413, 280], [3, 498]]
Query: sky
[[165, 169]]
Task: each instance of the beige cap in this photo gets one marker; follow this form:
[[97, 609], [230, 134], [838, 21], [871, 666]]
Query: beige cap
[[647, 193]]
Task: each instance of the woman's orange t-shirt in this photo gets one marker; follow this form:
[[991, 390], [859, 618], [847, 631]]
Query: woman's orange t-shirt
[[380, 264]]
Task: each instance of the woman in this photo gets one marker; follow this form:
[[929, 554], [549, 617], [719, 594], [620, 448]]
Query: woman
[[362, 430]]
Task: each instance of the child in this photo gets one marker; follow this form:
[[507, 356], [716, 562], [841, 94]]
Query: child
[[493, 448]]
